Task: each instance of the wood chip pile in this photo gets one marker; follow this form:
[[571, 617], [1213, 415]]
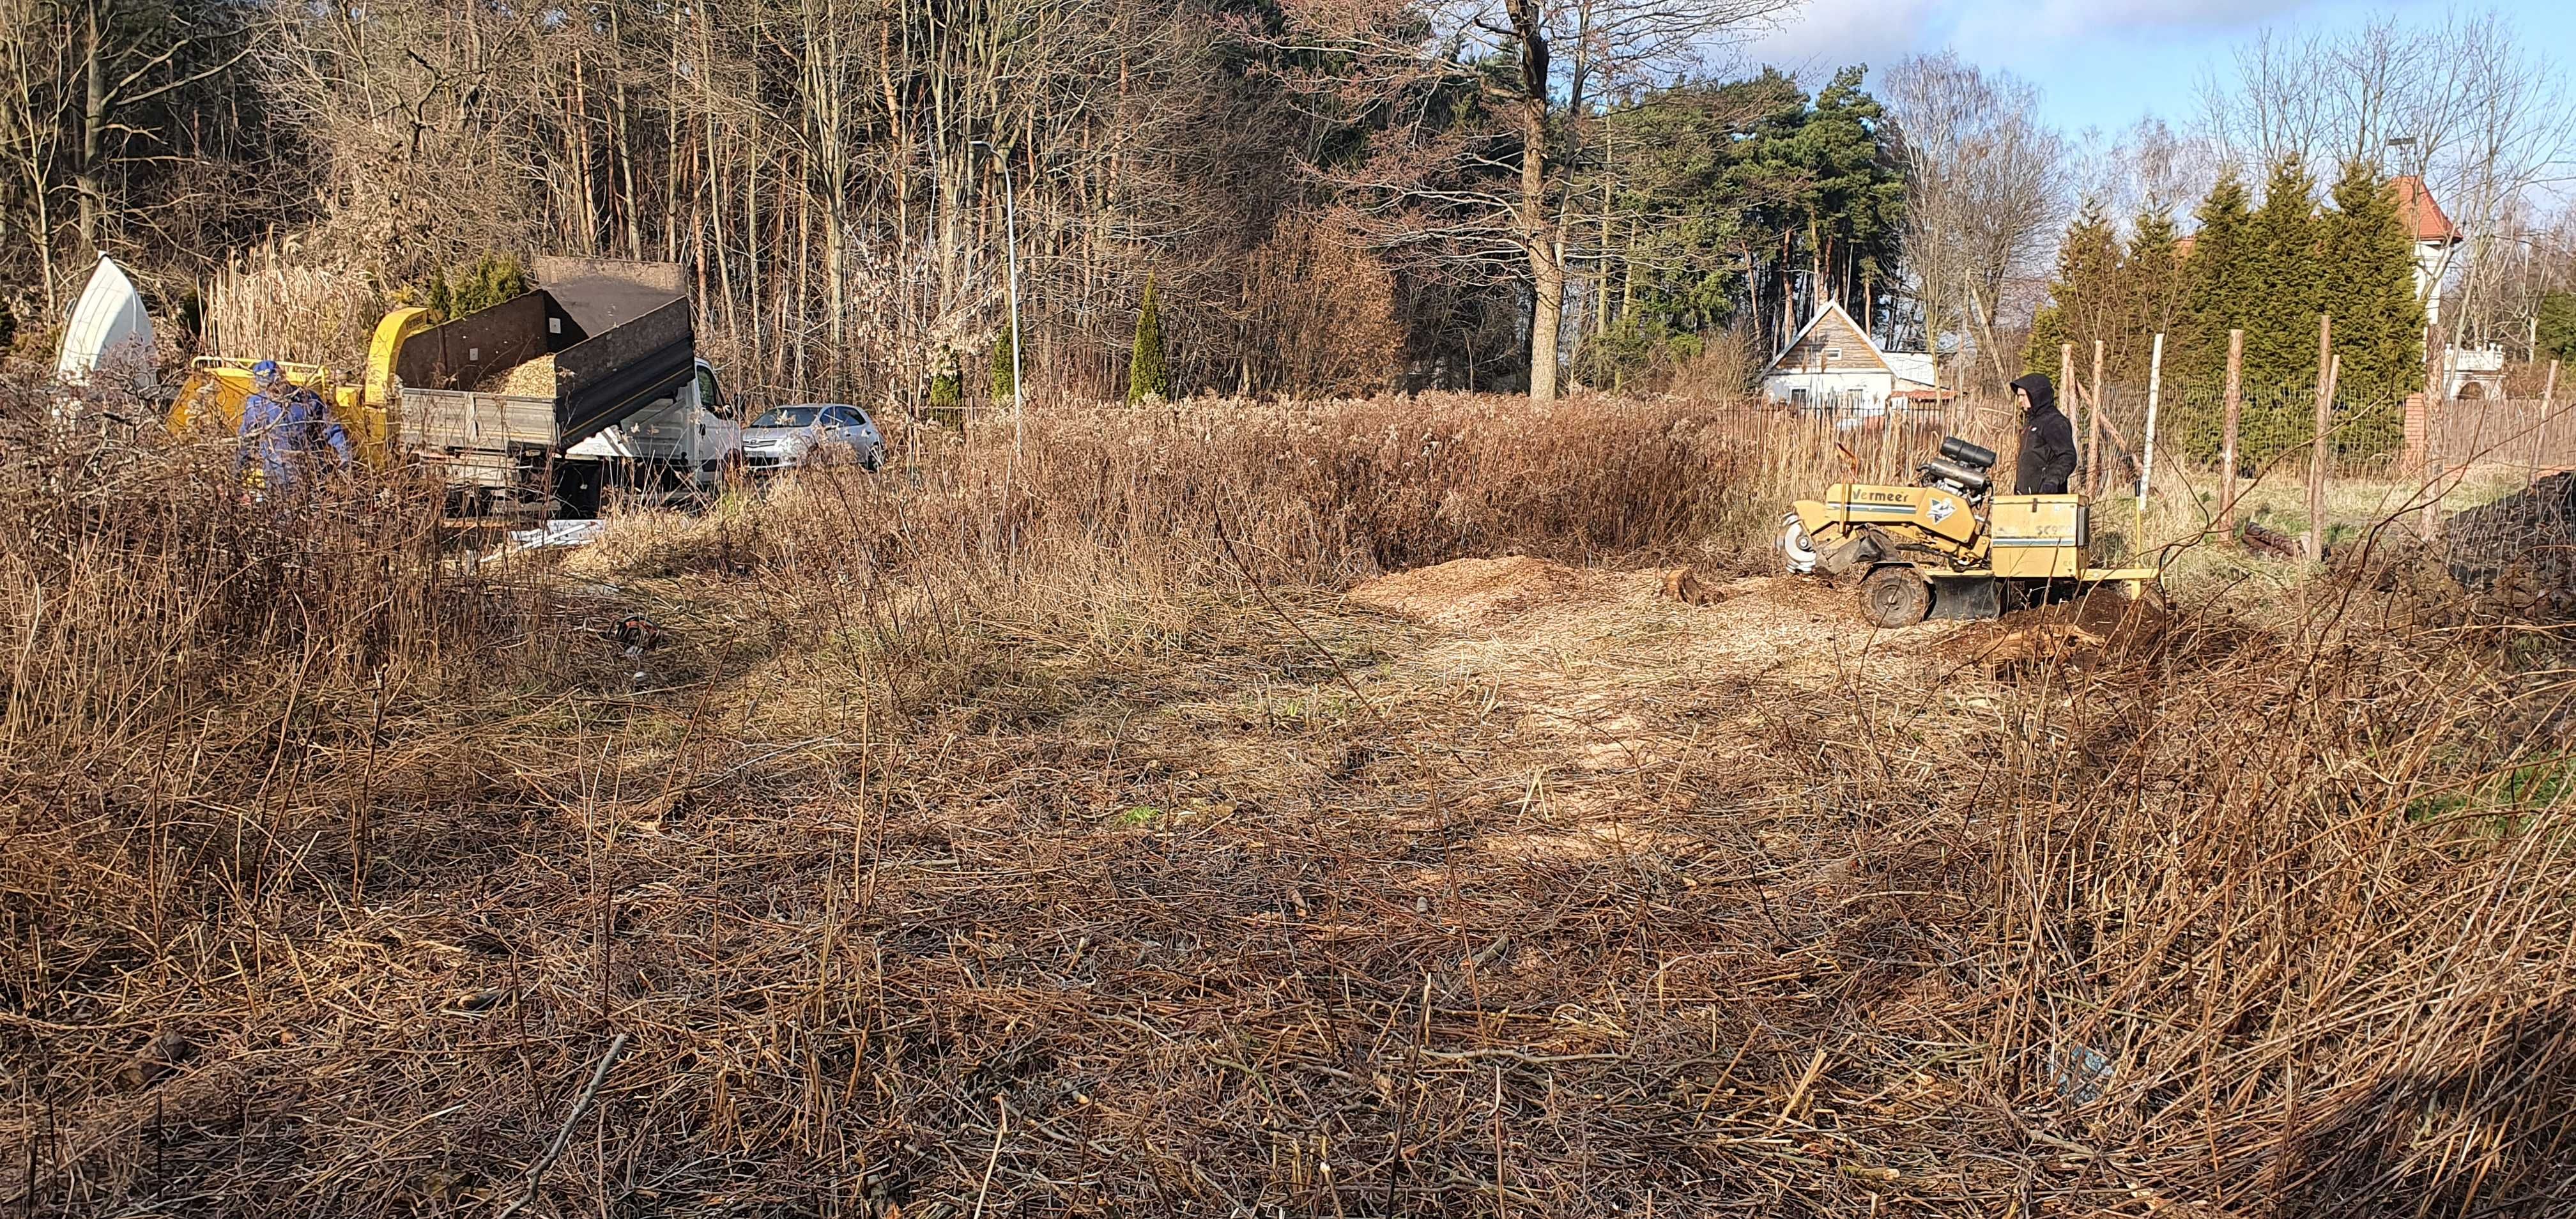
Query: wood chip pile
[[533, 379]]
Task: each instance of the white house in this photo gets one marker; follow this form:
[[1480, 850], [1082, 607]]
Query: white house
[[1833, 366], [2467, 371], [2435, 238]]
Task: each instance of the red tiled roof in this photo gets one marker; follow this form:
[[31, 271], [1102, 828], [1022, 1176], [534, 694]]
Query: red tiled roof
[[2423, 217]]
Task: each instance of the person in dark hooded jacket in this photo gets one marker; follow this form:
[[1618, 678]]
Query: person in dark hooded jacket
[[2047, 440]]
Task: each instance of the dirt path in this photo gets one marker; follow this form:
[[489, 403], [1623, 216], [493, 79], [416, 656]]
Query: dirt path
[[1598, 657], [1610, 687]]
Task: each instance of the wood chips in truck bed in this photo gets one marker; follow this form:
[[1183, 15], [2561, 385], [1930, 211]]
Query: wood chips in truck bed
[[532, 379]]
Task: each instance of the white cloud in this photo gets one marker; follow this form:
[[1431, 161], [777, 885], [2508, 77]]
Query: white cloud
[[1826, 34]]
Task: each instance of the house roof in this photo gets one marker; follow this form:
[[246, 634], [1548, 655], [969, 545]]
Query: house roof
[[2423, 217], [1839, 327]]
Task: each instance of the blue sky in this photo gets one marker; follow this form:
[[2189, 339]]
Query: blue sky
[[2099, 63]]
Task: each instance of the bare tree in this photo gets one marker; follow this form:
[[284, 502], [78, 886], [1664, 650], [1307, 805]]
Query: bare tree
[[1986, 188], [2148, 167], [35, 122], [1488, 99], [94, 93]]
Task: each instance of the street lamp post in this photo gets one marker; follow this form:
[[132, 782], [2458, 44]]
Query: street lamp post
[[1011, 239]]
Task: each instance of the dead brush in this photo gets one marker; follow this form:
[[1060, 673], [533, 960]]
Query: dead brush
[[1317, 492], [220, 707], [1011, 853]]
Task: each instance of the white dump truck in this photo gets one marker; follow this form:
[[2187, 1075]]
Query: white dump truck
[[587, 383]]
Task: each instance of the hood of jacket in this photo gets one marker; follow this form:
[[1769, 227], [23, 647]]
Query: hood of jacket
[[2042, 391]]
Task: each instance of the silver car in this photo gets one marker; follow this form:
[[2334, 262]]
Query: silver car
[[812, 434]]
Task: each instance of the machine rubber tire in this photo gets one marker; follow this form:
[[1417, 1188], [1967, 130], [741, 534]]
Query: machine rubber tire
[[1894, 596]]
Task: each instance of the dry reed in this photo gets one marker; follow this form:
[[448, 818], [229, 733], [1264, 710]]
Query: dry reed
[[1041, 835]]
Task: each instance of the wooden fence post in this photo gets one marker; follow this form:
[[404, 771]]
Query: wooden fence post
[[2316, 547], [2069, 394], [2437, 380], [2093, 453], [2227, 442]]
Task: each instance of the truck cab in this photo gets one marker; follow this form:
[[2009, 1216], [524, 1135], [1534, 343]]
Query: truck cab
[[678, 444]]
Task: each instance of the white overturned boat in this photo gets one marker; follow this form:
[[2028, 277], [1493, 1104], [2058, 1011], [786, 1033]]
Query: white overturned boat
[[109, 332]]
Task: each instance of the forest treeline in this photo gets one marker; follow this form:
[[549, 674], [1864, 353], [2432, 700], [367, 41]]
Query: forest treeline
[[2267, 273], [1318, 211], [1327, 195]]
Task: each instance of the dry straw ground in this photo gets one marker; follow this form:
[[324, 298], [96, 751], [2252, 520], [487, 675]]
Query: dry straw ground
[[1099, 833]]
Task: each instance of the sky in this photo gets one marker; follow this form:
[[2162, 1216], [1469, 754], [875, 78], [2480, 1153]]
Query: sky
[[2098, 63]]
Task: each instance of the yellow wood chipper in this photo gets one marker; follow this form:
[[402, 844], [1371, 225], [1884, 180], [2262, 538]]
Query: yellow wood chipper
[[1948, 546], [211, 398]]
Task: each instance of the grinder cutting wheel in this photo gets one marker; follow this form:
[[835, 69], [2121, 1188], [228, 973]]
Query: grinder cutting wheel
[[1947, 546]]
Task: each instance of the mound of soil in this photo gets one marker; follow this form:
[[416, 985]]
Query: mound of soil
[[1469, 590], [2101, 624]]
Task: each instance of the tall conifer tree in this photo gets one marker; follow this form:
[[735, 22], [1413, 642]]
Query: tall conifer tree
[[2151, 283], [2369, 275], [2214, 292], [2281, 296], [2281, 283], [2084, 300], [1146, 376]]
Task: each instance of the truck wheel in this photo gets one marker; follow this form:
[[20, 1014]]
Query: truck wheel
[[1894, 596]]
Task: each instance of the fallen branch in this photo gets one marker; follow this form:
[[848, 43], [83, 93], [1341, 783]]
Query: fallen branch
[[537, 1171]]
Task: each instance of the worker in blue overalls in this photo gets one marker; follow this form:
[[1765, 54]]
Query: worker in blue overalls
[[287, 429]]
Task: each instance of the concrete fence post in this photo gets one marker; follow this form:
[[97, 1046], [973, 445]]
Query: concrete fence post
[[2235, 410], [2316, 539]]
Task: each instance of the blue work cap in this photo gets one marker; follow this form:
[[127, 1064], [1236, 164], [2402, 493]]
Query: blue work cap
[[265, 370]]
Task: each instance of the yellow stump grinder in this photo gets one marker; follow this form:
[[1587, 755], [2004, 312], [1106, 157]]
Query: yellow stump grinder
[[1947, 547]]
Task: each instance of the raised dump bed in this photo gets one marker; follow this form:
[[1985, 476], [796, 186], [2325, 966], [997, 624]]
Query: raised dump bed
[[551, 367]]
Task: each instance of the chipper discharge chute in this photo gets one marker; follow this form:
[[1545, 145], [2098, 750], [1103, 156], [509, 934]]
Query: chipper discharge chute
[[1947, 546]]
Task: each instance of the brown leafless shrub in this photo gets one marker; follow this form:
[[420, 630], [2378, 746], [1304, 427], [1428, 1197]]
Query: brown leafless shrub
[[1312, 492], [968, 861]]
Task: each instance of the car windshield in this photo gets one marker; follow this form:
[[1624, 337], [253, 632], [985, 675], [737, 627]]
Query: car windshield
[[789, 416]]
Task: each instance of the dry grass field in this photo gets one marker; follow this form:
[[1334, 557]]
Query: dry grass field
[[1229, 811]]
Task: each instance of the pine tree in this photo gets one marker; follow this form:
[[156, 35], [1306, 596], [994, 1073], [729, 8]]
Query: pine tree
[[2554, 328], [2214, 292], [2281, 284], [2214, 300], [2151, 280], [2047, 342], [1146, 375], [2086, 295], [2369, 279], [492, 279], [1004, 375]]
